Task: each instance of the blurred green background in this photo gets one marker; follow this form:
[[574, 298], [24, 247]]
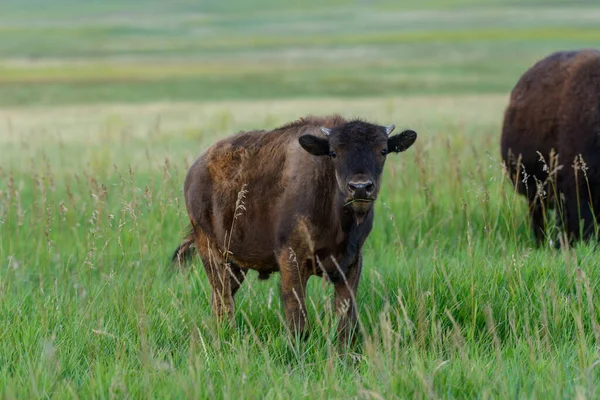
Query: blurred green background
[[67, 51]]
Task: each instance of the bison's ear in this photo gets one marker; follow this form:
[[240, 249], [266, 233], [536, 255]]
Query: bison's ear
[[314, 145], [402, 141]]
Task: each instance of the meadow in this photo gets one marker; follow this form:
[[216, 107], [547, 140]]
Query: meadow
[[106, 104]]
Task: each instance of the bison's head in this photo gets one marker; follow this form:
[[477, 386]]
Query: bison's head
[[357, 151]]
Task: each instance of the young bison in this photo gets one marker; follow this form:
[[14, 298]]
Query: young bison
[[298, 200], [555, 108]]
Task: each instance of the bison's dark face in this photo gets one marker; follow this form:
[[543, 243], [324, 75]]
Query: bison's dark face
[[357, 151]]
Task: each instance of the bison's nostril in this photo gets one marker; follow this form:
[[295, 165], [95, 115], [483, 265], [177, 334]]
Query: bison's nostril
[[361, 188]]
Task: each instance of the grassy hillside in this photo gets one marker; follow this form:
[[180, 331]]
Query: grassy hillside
[[106, 104]]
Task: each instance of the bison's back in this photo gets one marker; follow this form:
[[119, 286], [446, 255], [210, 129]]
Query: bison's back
[[239, 177], [579, 115], [531, 121]]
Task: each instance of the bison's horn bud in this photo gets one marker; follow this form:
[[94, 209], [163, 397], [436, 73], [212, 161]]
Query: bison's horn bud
[[326, 131], [389, 129]]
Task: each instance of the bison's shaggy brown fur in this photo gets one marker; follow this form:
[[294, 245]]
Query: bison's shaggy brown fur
[[295, 200], [552, 124]]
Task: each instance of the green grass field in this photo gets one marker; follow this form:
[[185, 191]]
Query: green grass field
[[106, 104]]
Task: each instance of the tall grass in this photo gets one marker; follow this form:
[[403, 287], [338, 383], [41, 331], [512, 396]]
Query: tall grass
[[455, 300]]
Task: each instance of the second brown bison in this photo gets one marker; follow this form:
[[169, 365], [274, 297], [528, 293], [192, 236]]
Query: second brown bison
[[298, 200], [554, 111]]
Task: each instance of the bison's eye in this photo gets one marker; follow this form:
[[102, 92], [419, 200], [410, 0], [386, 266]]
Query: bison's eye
[[384, 152], [332, 154]]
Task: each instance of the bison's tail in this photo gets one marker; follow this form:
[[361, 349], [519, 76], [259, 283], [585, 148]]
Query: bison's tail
[[185, 251]]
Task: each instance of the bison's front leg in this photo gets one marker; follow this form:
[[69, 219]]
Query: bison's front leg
[[294, 278], [345, 300]]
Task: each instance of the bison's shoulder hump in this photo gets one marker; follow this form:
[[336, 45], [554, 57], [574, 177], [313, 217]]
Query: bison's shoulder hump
[[329, 121]]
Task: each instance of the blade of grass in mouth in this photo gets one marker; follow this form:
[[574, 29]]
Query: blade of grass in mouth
[[358, 201]]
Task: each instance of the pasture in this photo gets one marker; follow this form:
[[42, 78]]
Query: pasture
[[106, 104]]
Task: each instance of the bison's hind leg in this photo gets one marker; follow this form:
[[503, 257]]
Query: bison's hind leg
[[531, 179], [579, 213], [537, 213], [225, 278]]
